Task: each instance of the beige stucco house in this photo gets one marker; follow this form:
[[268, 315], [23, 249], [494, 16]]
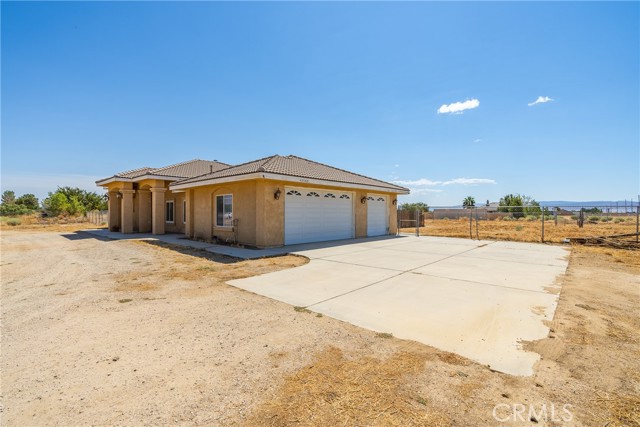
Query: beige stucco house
[[274, 201]]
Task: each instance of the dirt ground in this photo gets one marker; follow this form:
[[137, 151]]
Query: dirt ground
[[98, 332]]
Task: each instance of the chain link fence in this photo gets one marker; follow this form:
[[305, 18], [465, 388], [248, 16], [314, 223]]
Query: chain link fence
[[558, 224]]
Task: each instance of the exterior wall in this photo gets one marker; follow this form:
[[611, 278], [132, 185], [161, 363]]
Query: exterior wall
[[361, 214], [244, 211], [178, 225]]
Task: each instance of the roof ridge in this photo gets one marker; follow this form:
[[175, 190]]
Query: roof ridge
[[133, 170], [176, 164], [344, 170]]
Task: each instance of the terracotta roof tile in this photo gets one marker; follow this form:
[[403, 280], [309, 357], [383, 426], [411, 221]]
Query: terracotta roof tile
[[295, 167], [189, 169]]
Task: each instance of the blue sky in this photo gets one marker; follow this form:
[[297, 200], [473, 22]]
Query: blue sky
[[432, 95]]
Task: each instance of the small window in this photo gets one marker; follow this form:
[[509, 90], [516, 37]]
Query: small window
[[345, 196], [329, 195], [169, 212], [313, 194], [293, 193], [370, 198], [381, 199], [184, 211], [224, 210]]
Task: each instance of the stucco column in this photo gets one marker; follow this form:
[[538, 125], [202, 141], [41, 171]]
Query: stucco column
[[157, 210], [144, 211], [114, 211], [127, 211], [188, 226]]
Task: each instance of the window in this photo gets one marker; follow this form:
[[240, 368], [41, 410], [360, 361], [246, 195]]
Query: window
[[224, 210], [330, 196], [168, 213], [293, 193], [344, 196], [313, 194], [184, 211]]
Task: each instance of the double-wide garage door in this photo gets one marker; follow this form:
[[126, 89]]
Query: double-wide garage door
[[313, 215]]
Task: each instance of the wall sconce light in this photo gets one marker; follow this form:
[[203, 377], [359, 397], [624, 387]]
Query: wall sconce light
[[395, 202], [119, 195], [276, 195], [363, 200]]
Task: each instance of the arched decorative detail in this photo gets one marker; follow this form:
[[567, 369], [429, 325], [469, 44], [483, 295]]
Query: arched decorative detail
[[345, 196], [293, 193], [313, 194], [330, 196]]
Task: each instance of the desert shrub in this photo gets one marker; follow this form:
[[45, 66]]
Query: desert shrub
[[13, 210], [605, 218], [531, 218], [519, 228], [56, 204], [618, 220], [13, 222], [508, 218], [593, 219]]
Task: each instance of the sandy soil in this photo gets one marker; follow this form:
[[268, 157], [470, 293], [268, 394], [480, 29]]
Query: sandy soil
[[129, 333]]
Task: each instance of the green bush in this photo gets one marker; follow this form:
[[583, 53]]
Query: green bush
[[531, 217], [606, 219], [13, 222], [618, 220], [13, 210], [593, 219], [56, 204]]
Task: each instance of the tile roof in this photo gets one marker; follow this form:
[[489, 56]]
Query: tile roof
[[189, 169], [295, 167]]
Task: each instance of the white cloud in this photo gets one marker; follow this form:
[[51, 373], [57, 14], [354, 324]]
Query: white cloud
[[459, 107], [469, 181], [424, 190], [424, 182], [477, 140], [540, 100]]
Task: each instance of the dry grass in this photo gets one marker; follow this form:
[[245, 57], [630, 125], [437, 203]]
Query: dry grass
[[35, 222], [522, 230], [623, 410], [334, 390]]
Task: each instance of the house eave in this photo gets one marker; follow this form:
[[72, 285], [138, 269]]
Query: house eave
[[286, 178]]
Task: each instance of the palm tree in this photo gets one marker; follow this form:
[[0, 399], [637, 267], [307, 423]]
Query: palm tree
[[468, 202]]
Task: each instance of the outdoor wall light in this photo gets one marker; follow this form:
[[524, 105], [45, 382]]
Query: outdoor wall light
[[276, 195], [363, 200], [119, 195], [395, 202]]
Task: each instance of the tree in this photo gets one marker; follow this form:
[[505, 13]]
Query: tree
[[412, 207], [88, 199], [29, 201], [8, 198], [468, 202], [519, 205], [74, 207], [56, 204]]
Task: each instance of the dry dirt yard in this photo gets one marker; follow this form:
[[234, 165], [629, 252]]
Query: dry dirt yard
[[99, 332]]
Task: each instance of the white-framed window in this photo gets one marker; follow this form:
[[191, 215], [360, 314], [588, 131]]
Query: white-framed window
[[184, 211], [224, 210], [169, 211]]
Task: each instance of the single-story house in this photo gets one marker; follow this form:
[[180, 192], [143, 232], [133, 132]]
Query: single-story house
[[274, 201]]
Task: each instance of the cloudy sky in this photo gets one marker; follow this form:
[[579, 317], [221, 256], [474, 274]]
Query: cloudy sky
[[449, 99]]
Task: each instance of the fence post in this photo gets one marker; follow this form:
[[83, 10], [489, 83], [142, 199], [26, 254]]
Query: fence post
[[542, 237], [637, 223], [477, 235], [417, 222], [470, 224]]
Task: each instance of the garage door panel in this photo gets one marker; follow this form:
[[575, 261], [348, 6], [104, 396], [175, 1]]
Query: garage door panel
[[310, 218], [377, 218]]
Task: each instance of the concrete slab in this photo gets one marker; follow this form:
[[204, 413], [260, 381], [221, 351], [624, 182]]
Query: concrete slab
[[314, 282], [483, 323], [476, 298]]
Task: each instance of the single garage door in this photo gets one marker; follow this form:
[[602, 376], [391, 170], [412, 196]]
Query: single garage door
[[377, 224], [313, 215]]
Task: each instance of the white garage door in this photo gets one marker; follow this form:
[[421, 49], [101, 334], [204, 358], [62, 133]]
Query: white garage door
[[312, 215], [377, 215]]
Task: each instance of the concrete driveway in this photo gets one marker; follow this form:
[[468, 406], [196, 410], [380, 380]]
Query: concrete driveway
[[479, 299]]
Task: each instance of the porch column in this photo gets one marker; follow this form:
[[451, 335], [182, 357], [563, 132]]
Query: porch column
[[144, 211], [157, 210], [114, 211], [127, 211], [188, 226]]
